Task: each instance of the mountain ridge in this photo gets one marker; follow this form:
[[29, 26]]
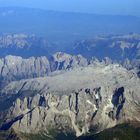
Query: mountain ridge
[[20, 7], [70, 26], [76, 104]]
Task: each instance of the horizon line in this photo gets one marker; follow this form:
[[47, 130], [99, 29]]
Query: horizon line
[[76, 12]]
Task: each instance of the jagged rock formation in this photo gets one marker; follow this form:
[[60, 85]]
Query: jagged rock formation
[[115, 47], [78, 95], [123, 49], [63, 61], [78, 101], [24, 45], [16, 68], [132, 64]]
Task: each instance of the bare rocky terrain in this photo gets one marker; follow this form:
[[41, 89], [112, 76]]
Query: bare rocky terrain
[[17, 68], [87, 90], [76, 101]]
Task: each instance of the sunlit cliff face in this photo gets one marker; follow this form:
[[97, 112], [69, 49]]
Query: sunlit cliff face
[[69, 69]]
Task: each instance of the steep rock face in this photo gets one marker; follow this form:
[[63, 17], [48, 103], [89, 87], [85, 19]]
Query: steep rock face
[[79, 101], [123, 49], [16, 68], [63, 61]]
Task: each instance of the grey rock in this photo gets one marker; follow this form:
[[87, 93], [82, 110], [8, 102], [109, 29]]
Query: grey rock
[[17, 68], [77, 100]]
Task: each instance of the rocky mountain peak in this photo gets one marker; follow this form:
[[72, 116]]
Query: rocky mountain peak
[[79, 99]]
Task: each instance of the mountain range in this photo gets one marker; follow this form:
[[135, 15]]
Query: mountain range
[[44, 104], [67, 75], [116, 47], [64, 27]]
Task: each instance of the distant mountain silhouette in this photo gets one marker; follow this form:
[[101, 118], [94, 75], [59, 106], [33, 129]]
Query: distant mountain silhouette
[[64, 26]]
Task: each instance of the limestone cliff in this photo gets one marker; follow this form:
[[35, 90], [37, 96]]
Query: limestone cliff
[[78, 101]]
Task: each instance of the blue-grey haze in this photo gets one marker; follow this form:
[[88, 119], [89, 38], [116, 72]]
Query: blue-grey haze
[[119, 7]]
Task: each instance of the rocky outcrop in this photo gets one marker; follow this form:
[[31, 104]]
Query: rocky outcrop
[[17, 68], [118, 101], [123, 49], [115, 47], [134, 64], [63, 61], [24, 45], [77, 101]]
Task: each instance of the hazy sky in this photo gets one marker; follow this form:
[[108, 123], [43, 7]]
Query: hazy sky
[[128, 7]]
